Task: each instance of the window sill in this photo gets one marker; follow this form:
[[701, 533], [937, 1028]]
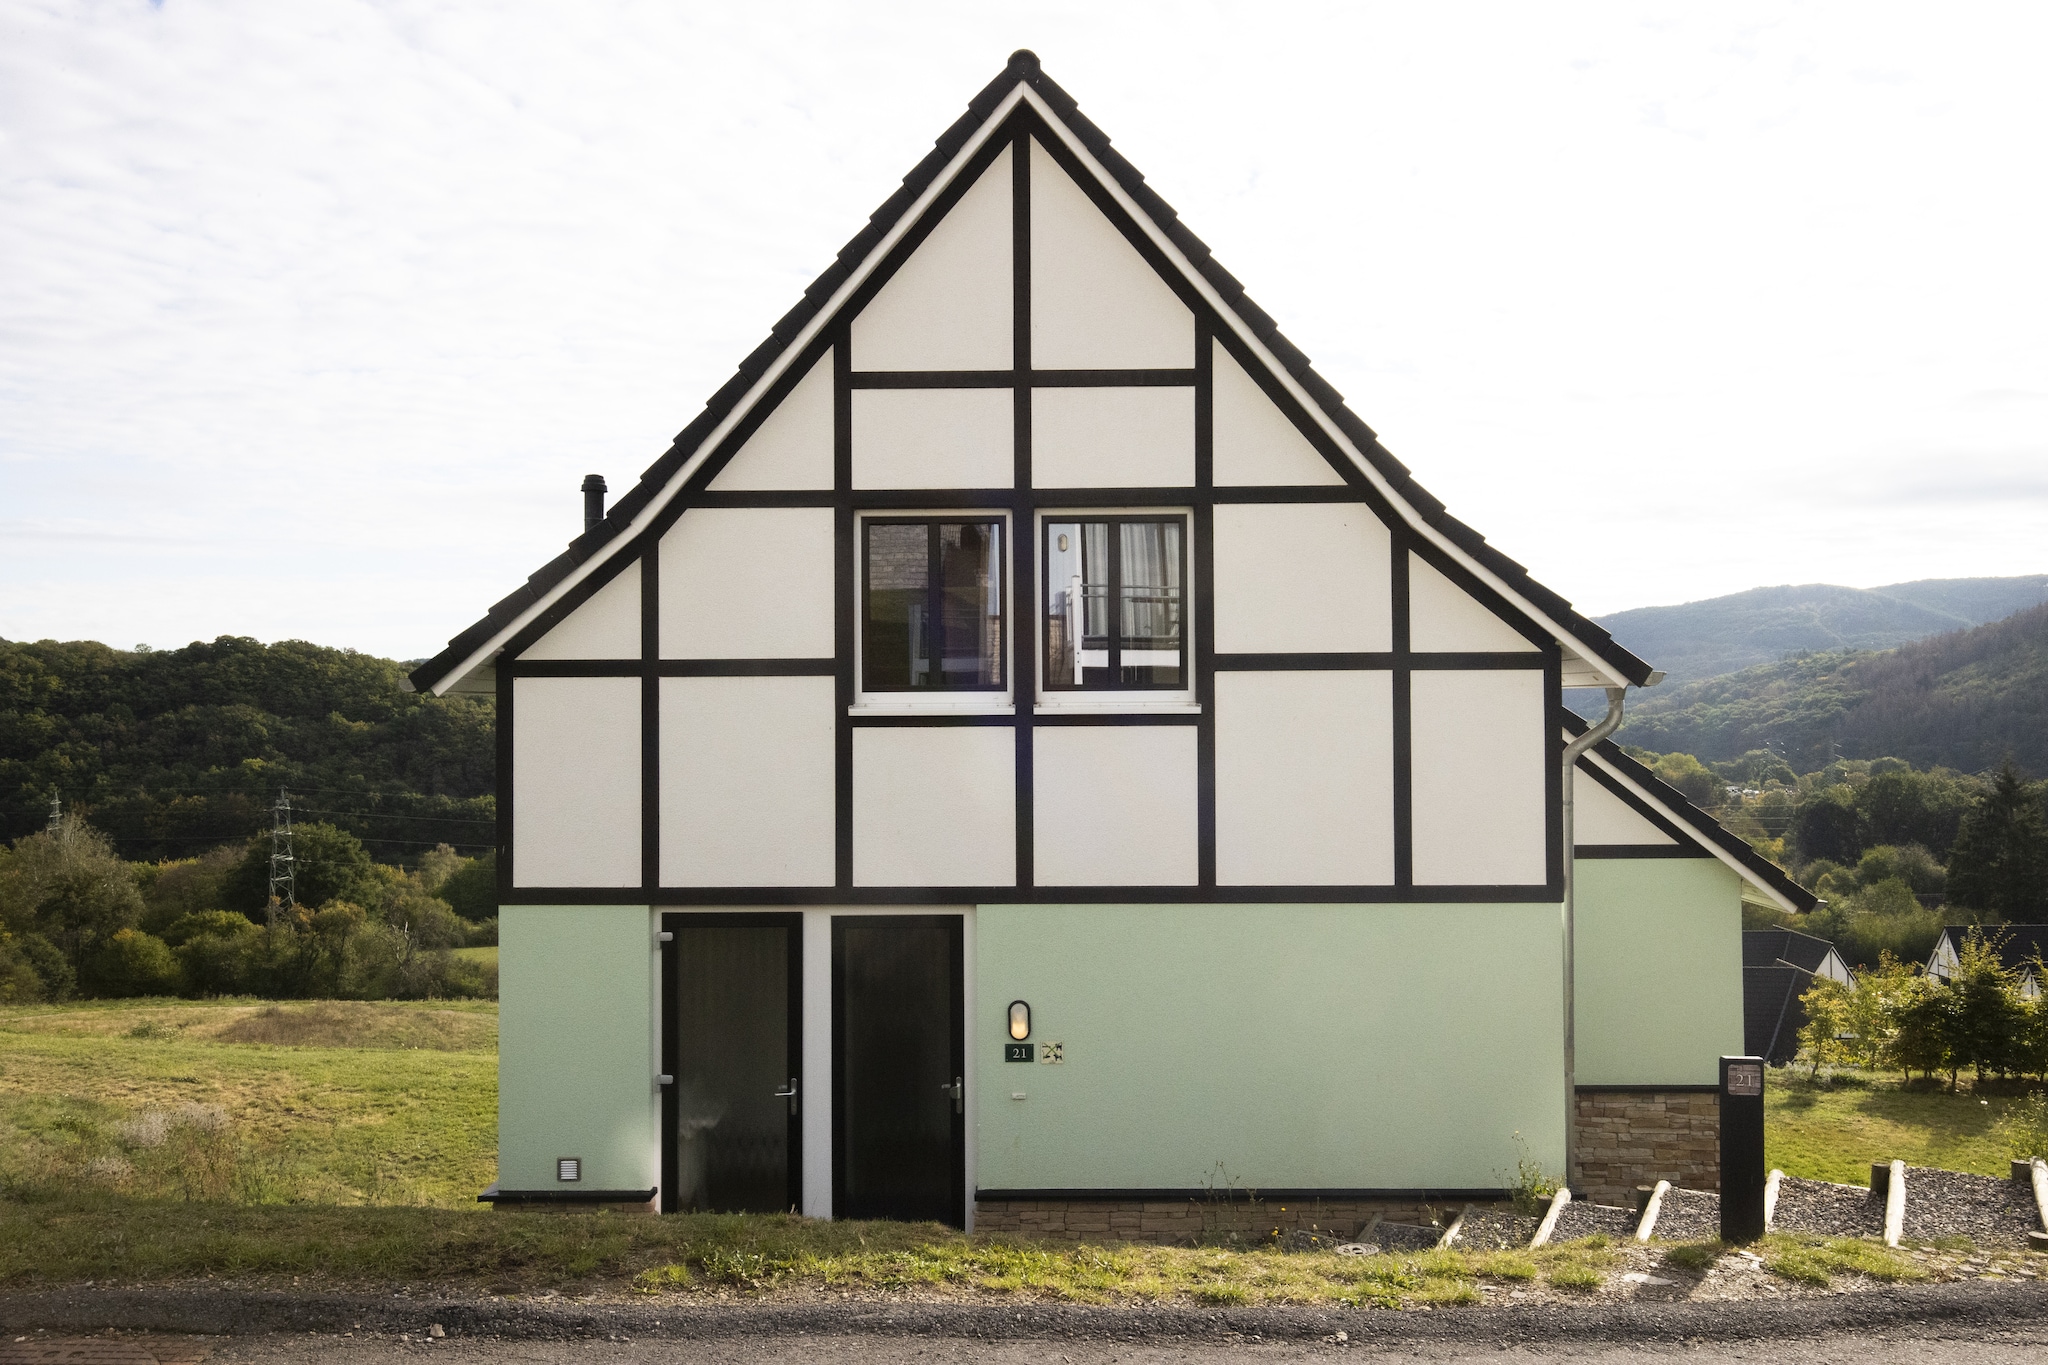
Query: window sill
[[1119, 706], [980, 704]]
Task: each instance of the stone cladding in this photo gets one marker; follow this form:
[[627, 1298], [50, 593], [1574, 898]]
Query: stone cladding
[[1628, 1138]]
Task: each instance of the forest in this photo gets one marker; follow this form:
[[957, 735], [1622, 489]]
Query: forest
[[1894, 851], [170, 753], [1965, 700], [152, 873]]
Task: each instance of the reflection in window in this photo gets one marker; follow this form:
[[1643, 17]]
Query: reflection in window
[[933, 618], [1113, 595]]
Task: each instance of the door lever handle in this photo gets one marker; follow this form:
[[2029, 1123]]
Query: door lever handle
[[788, 1092], [954, 1089]]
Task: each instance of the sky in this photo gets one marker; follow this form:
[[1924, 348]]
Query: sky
[[314, 316]]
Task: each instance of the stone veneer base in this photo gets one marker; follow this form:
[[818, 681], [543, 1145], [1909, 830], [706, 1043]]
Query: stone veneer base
[[1628, 1138]]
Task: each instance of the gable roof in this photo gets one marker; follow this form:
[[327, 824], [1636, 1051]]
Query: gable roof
[[1771, 1013], [1592, 657], [1770, 947], [1760, 872], [2017, 945]]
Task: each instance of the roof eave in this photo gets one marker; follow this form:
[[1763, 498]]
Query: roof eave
[[1758, 871]]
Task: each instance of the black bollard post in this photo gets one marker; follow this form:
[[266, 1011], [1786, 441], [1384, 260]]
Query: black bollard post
[[1742, 1149]]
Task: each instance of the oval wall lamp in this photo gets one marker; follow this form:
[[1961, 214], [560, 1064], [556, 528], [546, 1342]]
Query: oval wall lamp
[[1020, 1020]]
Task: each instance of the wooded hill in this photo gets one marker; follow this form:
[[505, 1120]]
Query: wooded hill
[[174, 752], [1963, 700], [1719, 635]]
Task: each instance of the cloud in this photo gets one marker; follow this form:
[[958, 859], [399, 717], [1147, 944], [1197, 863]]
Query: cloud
[[313, 316]]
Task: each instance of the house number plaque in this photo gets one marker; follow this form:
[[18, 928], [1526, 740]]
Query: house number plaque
[[1019, 1052]]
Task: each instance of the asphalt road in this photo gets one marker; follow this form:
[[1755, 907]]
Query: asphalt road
[[1974, 1322], [1997, 1347]]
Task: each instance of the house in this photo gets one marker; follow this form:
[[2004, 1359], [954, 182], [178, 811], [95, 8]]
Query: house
[[2021, 947], [1779, 966], [1021, 757]]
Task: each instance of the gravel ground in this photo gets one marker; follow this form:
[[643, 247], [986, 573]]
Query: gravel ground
[[1405, 1237], [1495, 1230], [1584, 1220], [1689, 1216], [1829, 1210], [1989, 1211]]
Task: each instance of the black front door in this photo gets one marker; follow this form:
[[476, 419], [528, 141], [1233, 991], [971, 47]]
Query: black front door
[[731, 998], [899, 1124]]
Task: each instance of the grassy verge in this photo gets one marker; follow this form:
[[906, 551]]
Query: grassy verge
[[1818, 1260], [242, 1101], [1833, 1130], [71, 1239]]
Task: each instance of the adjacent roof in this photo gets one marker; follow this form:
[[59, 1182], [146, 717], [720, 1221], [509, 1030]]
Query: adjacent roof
[[2017, 945], [1023, 82], [1772, 947], [1771, 1013], [1759, 871]]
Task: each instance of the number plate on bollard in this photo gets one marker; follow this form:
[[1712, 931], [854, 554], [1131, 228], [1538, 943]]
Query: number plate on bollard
[[1745, 1078]]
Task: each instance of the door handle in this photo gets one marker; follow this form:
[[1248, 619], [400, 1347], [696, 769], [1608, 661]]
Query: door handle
[[953, 1088], [788, 1092]]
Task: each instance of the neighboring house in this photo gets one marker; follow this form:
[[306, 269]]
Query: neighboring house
[[1778, 966], [1021, 755], [2021, 947]]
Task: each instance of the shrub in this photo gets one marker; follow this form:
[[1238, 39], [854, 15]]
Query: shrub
[[2023, 1128], [135, 963], [19, 983], [217, 952]]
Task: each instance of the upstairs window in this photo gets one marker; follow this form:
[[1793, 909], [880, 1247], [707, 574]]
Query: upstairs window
[[932, 615], [1114, 604]]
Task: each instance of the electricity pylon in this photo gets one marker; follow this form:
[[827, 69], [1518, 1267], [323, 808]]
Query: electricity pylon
[[283, 873]]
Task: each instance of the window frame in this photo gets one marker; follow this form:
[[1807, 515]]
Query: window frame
[[1054, 697], [983, 698]]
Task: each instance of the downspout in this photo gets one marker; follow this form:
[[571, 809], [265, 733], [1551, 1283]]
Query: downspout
[[1607, 726]]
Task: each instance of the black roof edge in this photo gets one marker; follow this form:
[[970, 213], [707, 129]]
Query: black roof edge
[[1024, 66], [1767, 872]]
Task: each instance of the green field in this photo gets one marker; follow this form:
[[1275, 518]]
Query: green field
[[238, 1100], [1834, 1130]]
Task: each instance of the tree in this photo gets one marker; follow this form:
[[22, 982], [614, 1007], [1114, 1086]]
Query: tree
[[1905, 807], [1829, 1034], [1826, 827], [2000, 861], [1986, 1016], [471, 890], [20, 983], [67, 886], [1923, 1028], [329, 864], [1695, 781], [134, 963]]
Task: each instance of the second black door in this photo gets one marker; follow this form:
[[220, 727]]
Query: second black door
[[898, 1114]]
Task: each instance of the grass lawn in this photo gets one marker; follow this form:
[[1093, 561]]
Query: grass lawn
[[1833, 1131], [324, 1102], [66, 1238], [167, 1138]]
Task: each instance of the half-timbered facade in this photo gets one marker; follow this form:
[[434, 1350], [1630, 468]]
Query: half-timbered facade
[[1027, 746]]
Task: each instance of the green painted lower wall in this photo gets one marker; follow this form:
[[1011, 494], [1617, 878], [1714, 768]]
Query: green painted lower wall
[[576, 1051], [1659, 970], [1299, 1046]]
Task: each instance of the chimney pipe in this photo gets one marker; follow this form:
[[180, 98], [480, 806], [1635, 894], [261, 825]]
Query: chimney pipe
[[593, 500]]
